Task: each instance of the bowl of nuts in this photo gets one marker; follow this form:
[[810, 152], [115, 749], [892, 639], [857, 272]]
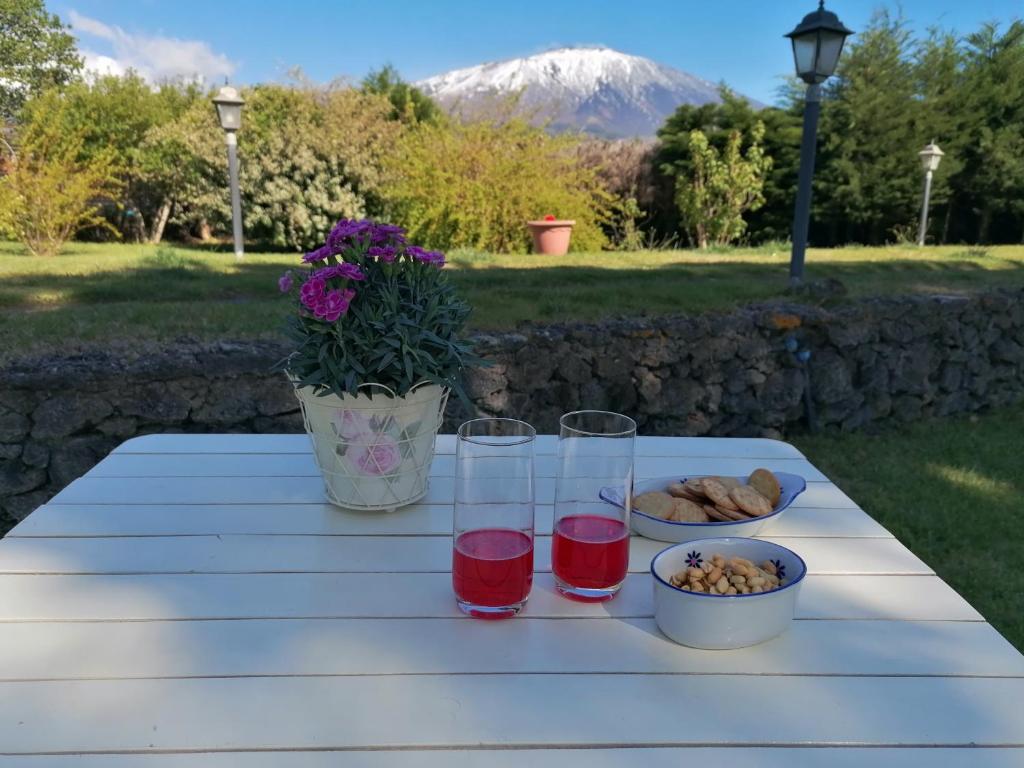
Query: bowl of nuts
[[686, 508], [725, 593]]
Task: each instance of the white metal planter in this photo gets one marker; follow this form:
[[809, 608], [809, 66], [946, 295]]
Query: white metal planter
[[374, 452]]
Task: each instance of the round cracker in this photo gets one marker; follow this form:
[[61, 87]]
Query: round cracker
[[688, 512], [728, 482], [718, 494], [655, 504], [736, 515], [750, 501], [766, 483], [714, 514]]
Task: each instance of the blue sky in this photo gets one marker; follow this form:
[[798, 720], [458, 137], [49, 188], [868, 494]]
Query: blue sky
[[739, 41]]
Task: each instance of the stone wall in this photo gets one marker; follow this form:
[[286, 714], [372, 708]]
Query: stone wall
[[737, 374]]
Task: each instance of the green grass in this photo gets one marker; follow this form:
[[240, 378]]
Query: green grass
[[952, 491], [103, 292]]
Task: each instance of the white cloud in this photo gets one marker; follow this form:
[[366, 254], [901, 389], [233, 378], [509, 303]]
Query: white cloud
[[154, 57]]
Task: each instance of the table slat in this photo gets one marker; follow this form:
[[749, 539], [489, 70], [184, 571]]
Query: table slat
[[507, 710], [63, 520], [665, 757], [307, 490], [646, 445], [346, 554], [429, 595], [430, 646], [303, 465]]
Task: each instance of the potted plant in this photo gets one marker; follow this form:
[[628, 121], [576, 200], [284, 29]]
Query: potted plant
[[550, 235], [376, 326]]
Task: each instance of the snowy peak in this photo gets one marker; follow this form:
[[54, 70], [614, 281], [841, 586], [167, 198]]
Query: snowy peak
[[599, 90]]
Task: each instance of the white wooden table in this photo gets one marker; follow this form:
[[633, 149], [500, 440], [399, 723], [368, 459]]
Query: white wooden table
[[192, 601]]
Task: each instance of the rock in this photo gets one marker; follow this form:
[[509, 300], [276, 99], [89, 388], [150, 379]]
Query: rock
[[782, 389], [13, 426], [830, 378], [154, 403], [16, 478], [10, 451], [119, 427], [74, 457], [66, 414], [17, 508], [35, 455], [274, 397]]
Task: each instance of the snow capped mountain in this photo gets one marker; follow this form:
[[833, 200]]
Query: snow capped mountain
[[598, 90]]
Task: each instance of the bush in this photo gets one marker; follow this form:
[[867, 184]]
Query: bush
[[50, 191], [475, 184]]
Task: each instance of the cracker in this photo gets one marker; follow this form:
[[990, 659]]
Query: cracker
[[728, 482], [655, 504], [718, 494], [714, 514], [736, 515], [688, 512], [766, 483], [750, 501]]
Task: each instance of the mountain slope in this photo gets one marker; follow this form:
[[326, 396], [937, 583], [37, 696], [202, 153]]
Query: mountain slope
[[599, 90]]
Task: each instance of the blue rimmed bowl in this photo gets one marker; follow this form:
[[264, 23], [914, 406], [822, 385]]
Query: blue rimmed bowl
[[703, 620], [655, 528]]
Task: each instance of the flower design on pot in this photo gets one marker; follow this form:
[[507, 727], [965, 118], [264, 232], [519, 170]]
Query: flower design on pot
[[693, 559], [378, 458], [352, 425]]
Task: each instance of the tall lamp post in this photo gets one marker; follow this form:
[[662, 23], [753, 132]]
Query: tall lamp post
[[229, 110], [817, 42], [930, 157]]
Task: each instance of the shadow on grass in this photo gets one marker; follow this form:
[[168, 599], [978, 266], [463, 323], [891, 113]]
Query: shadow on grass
[[504, 295]]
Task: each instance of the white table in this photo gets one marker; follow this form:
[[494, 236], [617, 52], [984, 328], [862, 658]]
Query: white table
[[193, 602]]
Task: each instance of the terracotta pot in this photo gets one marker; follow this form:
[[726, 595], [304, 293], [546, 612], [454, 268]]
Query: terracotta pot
[[551, 238]]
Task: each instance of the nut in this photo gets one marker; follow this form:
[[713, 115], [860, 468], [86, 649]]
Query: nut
[[735, 576]]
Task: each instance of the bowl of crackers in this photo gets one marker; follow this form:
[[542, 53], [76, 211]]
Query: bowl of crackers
[[685, 508], [726, 593]]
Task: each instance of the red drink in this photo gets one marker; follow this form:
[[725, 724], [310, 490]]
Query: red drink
[[590, 552], [492, 567]]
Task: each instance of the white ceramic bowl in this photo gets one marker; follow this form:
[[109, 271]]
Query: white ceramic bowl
[[667, 530], [702, 620]]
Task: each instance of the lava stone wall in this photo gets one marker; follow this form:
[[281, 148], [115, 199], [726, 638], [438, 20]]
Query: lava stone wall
[[741, 374]]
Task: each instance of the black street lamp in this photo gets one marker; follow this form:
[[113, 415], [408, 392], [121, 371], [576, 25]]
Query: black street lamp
[[229, 111], [817, 42]]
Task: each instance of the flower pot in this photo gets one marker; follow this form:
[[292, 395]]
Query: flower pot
[[374, 452], [551, 238]]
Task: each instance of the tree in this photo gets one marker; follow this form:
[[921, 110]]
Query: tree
[[49, 192], [869, 179], [118, 113], [721, 186], [408, 102], [781, 144], [475, 184], [36, 53]]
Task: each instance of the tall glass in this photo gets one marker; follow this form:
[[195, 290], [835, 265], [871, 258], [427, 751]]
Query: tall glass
[[492, 558], [590, 546]]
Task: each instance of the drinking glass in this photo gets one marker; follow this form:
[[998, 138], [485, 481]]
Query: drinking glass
[[492, 557], [590, 545]]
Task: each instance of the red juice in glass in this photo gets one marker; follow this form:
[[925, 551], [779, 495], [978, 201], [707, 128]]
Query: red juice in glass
[[492, 568], [590, 552]]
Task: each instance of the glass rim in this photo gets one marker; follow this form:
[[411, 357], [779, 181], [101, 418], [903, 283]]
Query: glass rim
[[530, 436], [623, 433]]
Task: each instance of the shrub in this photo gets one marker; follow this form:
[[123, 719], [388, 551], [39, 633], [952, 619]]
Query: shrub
[[475, 184], [50, 191]]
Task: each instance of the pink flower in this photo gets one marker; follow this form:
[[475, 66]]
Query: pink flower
[[284, 282], [312, 292], [380, 458], [352, 425], [333, 304]]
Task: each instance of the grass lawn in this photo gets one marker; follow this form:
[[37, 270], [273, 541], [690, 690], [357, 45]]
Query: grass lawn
[[952, 491], [100, 292]]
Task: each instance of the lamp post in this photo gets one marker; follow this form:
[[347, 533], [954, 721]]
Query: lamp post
[[930, 157], [817, 42], [229, 110]]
